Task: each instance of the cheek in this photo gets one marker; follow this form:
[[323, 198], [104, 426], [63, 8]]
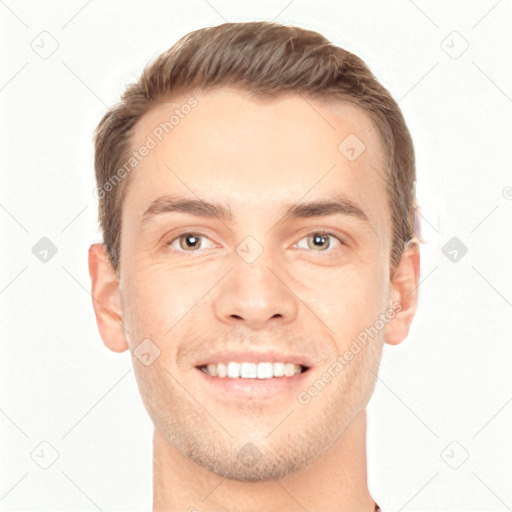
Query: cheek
[[156, 298], [349, 300]]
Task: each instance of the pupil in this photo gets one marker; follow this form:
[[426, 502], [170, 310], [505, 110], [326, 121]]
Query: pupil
[[319, 240], [193, 238]]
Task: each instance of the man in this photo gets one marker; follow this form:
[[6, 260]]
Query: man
[[257, 189]]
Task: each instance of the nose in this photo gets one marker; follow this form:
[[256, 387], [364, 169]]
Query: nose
[[255, 295]]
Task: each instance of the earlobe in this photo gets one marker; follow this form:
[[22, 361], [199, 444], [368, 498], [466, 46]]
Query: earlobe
[[404, 297], [106, 299]]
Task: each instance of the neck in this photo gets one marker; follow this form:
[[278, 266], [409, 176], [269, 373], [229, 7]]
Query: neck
[[337, 481]]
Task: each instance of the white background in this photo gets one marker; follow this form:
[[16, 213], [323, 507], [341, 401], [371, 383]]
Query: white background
[[450, 381]]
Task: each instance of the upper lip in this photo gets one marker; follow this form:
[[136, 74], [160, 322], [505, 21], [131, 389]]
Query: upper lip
[[250, 356]]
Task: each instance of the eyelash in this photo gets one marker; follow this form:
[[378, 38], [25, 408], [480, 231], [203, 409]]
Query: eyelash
[[317, 232]]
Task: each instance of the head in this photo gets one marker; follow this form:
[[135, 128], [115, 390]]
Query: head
[[256, 193]]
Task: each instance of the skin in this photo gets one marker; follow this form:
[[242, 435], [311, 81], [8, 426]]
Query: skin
[[257, 158]]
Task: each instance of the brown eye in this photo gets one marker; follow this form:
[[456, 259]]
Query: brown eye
[[319, 241], [188, 242]]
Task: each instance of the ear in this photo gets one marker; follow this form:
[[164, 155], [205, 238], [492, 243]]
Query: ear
[[106, 299], [404, 293]]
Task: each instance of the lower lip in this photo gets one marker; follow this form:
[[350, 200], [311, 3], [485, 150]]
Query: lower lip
[[255, 388]]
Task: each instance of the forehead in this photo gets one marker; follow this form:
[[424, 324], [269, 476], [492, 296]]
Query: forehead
[[245, 153]]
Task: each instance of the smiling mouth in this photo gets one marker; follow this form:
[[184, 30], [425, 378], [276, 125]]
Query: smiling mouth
[[233, 370]]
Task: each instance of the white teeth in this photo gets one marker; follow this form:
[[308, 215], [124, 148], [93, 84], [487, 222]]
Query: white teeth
[[233, 370], [278, 369], [252, 370], [265, 371], [221, 370], [289, 369], [248, 370]]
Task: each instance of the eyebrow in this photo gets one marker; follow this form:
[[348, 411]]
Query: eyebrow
[[201, 208]]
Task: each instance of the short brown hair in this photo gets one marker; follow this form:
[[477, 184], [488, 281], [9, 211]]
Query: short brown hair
[[266, 59]]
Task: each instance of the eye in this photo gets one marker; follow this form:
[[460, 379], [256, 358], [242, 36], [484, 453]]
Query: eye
[[187, 242], [319, 241]]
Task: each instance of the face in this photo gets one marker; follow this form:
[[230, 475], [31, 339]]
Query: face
[[258, 276]]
